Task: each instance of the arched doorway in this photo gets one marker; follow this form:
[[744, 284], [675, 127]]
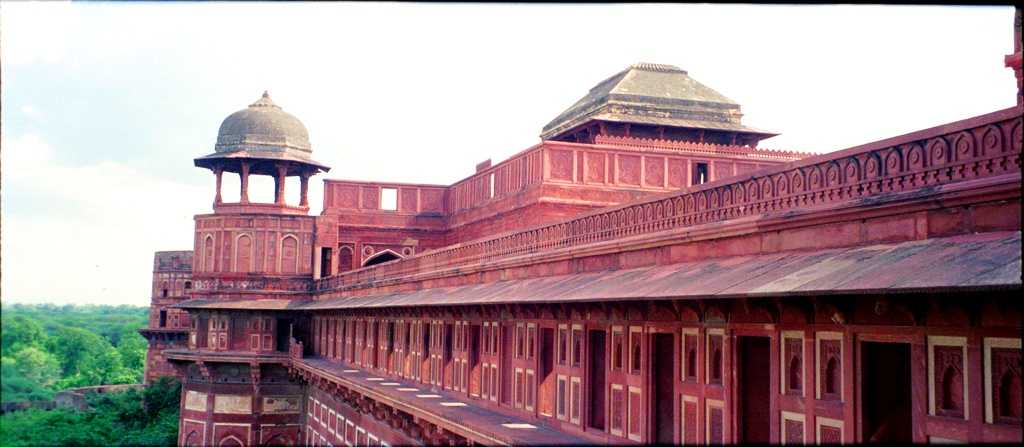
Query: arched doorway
[[381, 257]]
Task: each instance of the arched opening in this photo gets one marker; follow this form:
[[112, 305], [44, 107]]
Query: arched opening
[[344, 259], [230, 441], [188, 285], [794, 373], [951, 388], [381, 257], [243, 254], [208, 254], [691, 363], [716, 365], [832, 376], [289, 255], [192, 440], [1010, 395]]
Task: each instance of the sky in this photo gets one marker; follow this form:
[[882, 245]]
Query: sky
[[104, 105]]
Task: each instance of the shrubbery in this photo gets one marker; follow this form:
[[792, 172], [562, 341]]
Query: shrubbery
[[47, 348], [147, 417]]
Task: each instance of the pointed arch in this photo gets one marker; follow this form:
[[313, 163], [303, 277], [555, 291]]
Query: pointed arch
[[344, 258], [242, 256], [230, 441], [381, 257], [192, 440], [832, 376], [795, 369], [1010, 395], [289, 254], [207, 259], [952, 384]]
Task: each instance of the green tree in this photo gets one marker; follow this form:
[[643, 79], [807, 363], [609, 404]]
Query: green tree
[[20, 332], [132, 348], [38, 366], [73, 346], [16, 387], [129, 418]]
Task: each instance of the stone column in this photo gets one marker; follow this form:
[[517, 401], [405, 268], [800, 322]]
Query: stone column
[[282, 170], [304, 182], [218, 173], [244, 194]]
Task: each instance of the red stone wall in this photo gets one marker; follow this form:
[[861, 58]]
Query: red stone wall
[[222, 403], [328, 420], [230, 245], [172, 284], [156, 363], [821, 406]]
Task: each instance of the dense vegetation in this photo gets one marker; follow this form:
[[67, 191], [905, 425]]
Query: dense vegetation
[[137, 417], [47, 348]]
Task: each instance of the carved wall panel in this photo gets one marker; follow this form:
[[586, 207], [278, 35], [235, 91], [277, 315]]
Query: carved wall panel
[[715, 421], [792, 365], [232, 404], [829, 369], [654, 171], [629, 169], [561, 164], [689, 420], [792, 428], [596, 169], [195, 401], [1003, 381]]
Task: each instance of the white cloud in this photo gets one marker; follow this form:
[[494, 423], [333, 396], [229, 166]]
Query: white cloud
[[104, 251]]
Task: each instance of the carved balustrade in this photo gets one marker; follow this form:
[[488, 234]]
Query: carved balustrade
[[252, 284], [984, 146], [698, 148]]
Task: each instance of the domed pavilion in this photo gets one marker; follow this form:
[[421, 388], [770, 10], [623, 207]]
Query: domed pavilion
[[262, 139]]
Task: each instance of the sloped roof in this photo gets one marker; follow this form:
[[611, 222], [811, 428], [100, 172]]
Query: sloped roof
[[959, 263], [985, 261], [653, 94]]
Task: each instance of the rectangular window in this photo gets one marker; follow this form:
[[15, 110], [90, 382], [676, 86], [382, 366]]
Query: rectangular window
[[485, 334], [576, 394], [563, 344], [531, 389], [519, 341], [494, 383], [700, 173], [634, 349], [494, 338], [560, 398], [519, 388], [617, 348], [618, 405], [577, 345], [485, 382], [388, 199], [634, 412], [531, 340]]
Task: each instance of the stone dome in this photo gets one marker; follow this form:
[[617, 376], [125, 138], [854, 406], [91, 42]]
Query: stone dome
[[263, 127]]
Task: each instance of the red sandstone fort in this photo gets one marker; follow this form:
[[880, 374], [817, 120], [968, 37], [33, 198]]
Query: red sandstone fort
[[644, 274]]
